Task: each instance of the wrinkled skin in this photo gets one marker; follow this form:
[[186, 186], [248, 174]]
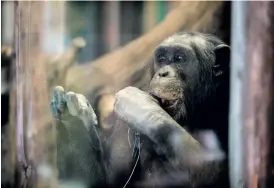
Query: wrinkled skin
[[186, 89]]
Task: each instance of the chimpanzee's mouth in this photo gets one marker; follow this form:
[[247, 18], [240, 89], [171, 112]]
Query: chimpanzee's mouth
[[166, 103]]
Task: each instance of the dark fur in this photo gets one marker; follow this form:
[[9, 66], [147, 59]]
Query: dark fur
[[205, 105]]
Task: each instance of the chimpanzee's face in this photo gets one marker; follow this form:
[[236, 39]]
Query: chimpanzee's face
[[184, 71]]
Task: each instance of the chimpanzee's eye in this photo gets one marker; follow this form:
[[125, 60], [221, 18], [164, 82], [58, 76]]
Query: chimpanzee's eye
[[161, 58], [178, 58]]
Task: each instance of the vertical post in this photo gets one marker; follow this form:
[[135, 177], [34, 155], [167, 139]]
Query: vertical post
[[237, 71], [150, 12], [258, 103], [36, 150], [54, 27], [111, 23]]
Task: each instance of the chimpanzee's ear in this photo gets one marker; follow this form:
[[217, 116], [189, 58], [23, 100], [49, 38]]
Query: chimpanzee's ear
[[222, 62]]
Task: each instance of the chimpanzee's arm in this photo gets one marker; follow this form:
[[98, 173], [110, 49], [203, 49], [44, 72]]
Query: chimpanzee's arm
[[143, 114]]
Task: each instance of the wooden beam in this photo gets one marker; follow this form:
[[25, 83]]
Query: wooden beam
[[36, 150], [258, 100]]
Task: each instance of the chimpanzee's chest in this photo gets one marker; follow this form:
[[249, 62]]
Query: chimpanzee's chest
[[151, 164]]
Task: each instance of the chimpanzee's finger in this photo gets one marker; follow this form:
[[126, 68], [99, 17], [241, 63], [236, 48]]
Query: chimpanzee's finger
[[58, 95], [72, 103]]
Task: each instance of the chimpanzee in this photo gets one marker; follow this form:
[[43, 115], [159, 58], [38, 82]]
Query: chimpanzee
[[151, 144]]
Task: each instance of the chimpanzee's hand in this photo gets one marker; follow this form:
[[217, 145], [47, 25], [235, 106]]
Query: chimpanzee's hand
[[70, 105], [141, 111], [78, 142]]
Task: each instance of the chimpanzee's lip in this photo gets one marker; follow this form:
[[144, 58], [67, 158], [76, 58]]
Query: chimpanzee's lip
[[165, 102], [169, 103]]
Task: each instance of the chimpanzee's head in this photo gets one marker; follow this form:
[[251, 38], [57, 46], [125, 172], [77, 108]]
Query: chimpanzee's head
[[187, 72]]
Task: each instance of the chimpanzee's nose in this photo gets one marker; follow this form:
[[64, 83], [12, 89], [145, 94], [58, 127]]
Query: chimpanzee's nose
[[166, 72], [163, 73]]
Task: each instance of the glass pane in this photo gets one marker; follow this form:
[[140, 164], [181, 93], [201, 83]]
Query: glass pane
[[69, 117]]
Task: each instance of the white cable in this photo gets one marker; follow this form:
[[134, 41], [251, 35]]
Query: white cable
[[139, 147]]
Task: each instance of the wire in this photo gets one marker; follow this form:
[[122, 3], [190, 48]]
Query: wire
[[137, 135], [128, 137]]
